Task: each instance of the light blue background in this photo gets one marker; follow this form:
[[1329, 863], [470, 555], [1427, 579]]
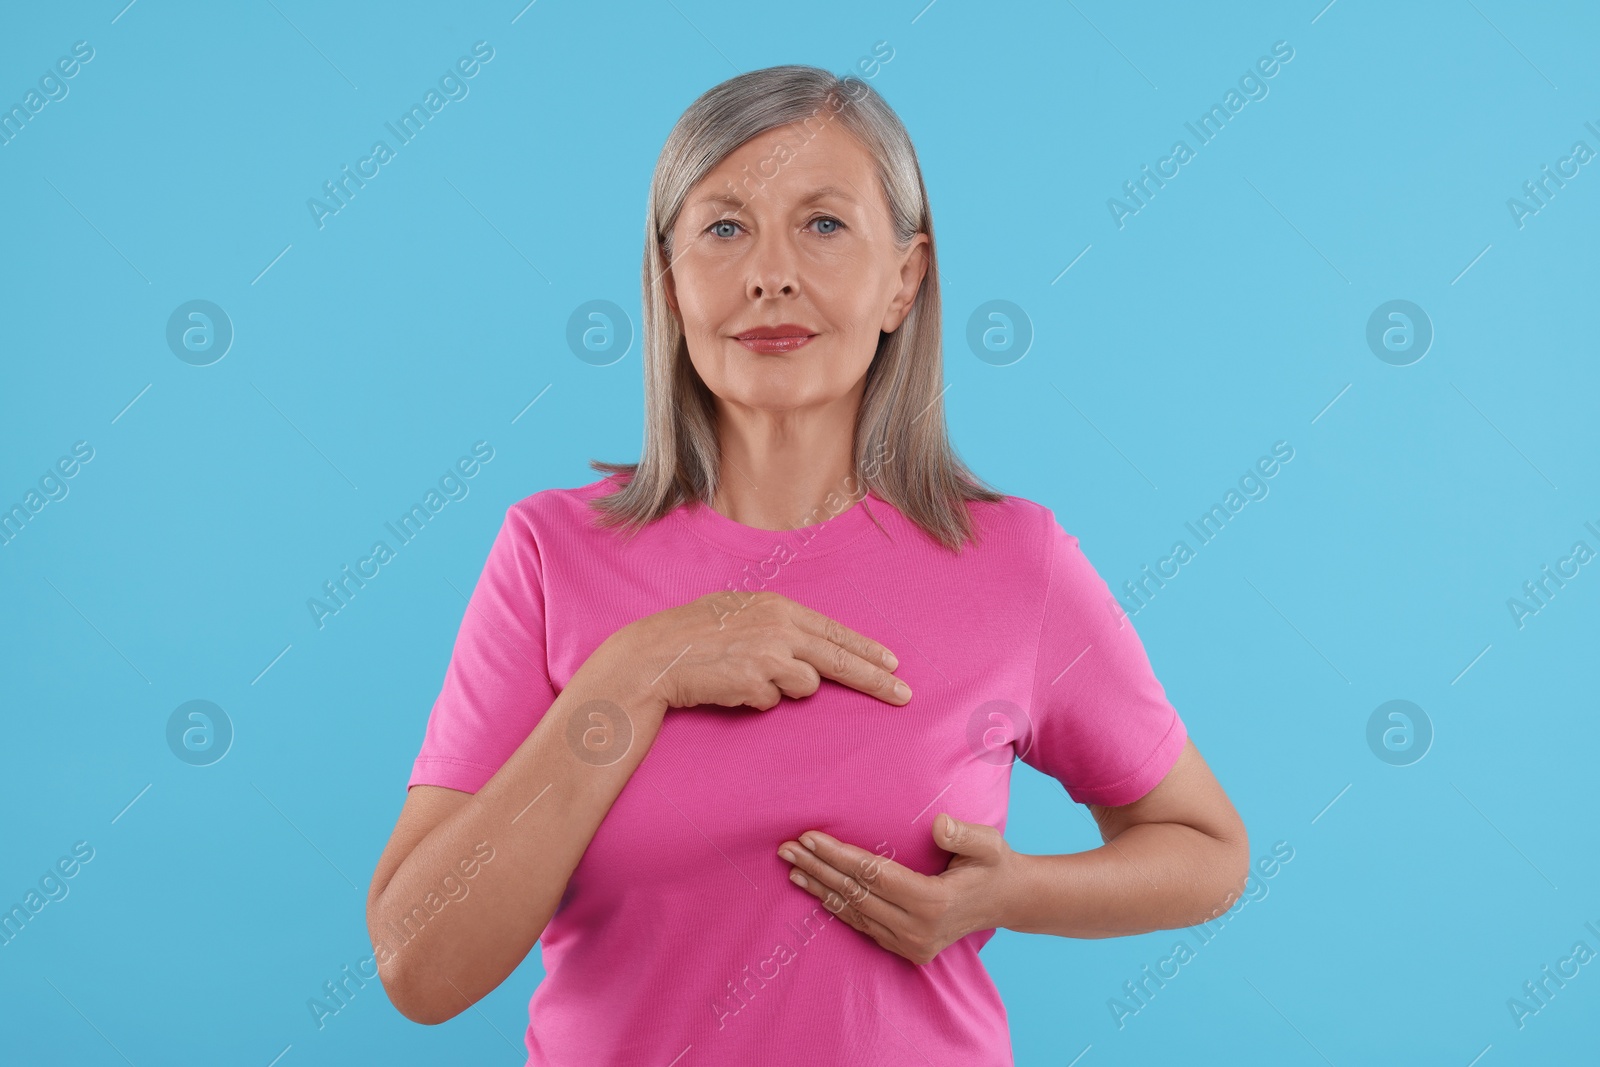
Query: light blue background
[[1228, 314]]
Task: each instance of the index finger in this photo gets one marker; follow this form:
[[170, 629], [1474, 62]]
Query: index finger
[[830, 629], [892, 882]]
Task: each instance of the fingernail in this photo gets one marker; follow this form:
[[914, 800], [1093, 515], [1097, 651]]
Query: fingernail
[[797, 878], [786, 854], [902, 690], [889, 660], [809, 842]]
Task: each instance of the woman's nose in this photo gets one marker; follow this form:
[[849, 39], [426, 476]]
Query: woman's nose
[[773, 268]]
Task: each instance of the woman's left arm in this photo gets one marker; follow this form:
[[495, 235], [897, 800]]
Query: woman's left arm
[[1177, 856]]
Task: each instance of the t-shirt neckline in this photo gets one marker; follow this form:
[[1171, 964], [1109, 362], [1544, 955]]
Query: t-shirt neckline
[[834, 531]]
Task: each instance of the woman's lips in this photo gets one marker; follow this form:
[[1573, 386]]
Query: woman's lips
[[775, 344]]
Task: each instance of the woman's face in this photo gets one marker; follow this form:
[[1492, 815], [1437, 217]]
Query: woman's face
[[791, 230]]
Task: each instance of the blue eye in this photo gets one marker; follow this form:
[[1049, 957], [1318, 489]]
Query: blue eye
[[728, 227]]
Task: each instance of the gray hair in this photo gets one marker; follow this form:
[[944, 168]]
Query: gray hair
[[902, 451]]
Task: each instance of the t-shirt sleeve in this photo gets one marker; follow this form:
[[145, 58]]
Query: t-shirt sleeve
[[1101, 724], [497, 685]]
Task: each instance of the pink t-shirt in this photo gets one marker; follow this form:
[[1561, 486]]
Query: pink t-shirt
[[680, 939]]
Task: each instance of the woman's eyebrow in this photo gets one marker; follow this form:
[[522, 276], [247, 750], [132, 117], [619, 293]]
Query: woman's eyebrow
[[825, 192], [820, 193]]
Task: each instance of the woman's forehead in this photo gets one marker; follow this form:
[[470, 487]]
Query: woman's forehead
[[799, 165]]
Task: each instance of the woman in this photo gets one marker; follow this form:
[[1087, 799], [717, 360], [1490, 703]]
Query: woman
[[797, 514]]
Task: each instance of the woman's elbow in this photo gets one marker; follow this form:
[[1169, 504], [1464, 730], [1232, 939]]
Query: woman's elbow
[[416, 1002], [1227, 870], [411, 992]]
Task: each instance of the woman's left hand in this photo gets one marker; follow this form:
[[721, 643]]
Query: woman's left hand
[[911, 914]]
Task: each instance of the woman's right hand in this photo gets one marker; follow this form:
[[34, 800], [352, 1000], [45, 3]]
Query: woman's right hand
[[754, 649]]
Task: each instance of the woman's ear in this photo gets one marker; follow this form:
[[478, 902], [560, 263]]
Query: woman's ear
[[912, 269]]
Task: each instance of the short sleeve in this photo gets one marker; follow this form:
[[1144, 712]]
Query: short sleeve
[[497, 685], [1101, 724]]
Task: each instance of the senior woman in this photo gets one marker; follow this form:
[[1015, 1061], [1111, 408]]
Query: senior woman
[[730, 731]]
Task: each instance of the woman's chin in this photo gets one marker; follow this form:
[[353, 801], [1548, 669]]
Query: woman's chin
[[775, 399]]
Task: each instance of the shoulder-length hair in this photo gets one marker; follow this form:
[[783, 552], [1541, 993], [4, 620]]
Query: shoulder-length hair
[[902, 451]]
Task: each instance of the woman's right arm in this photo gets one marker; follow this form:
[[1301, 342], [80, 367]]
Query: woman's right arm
[[538, 813], [541, 809]]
